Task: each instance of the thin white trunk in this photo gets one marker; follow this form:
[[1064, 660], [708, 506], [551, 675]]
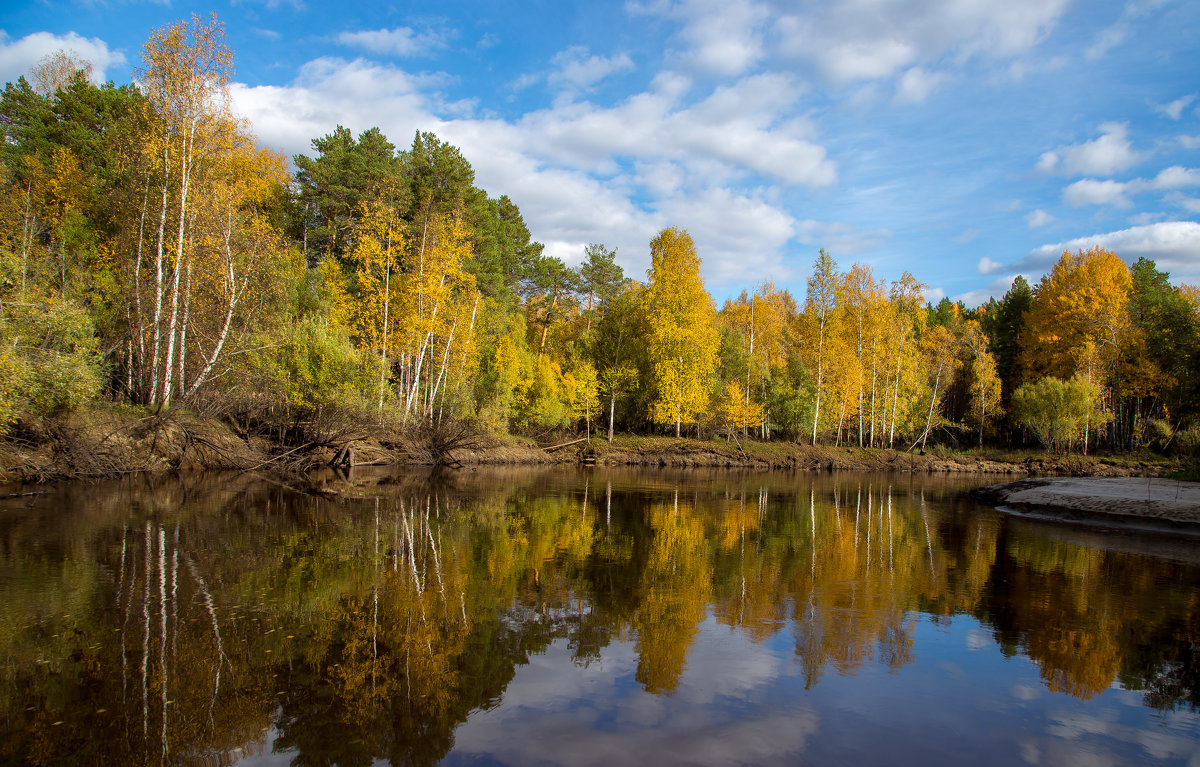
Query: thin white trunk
[[820, 370], [445, 358], [158, 273], [874, 342], [181, 369], [185, 173], [416, 383], [896, 391], [137, 292], [932, 402], [462, 365], [235, 292], [26, 235], [383, 344]]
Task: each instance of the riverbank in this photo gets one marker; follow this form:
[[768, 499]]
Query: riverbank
[[1111, 501], [119, 441]]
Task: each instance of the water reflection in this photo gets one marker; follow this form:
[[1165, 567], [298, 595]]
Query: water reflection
[[207, 621]]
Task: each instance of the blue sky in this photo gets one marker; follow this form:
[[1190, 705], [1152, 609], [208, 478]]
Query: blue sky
[[965, 141]]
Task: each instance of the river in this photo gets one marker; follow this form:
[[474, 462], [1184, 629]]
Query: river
[[551, 616]]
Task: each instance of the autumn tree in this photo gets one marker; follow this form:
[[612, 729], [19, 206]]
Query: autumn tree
[[185, 75], [984, 382], [1079, 321], [683, 339], [819, 309], [619, 345]]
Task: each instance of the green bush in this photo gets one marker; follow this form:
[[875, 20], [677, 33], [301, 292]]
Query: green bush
[[1057, 411], [313, 368], [50, 363]]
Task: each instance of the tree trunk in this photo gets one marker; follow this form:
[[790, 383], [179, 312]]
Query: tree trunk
[[158, 273], [185, 172], [933, 401], [235, 294]]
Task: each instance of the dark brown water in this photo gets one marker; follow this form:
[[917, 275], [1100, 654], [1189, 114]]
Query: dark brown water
[[563, 617]]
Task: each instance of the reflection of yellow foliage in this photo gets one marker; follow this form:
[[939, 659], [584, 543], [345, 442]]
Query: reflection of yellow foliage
[[675, 589]]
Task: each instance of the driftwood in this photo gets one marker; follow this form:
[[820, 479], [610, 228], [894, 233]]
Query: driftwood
[[565, 444]]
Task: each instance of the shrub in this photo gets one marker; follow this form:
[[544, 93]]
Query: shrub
[[1057, 411]]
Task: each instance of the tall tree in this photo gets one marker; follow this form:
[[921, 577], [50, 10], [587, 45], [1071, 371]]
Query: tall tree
[[185, 75], [333, 186], [1004, 323], [600, 278], [984, 383], [820, 304], [1079, 323], [683, 336]]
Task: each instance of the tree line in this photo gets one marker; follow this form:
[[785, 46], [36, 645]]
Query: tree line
[[152, 253]]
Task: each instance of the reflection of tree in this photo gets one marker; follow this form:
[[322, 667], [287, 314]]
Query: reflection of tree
[[1088, 616], [368, 630], [676, 583]]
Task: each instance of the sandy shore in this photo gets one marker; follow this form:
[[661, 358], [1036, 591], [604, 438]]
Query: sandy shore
[[1108, 500]]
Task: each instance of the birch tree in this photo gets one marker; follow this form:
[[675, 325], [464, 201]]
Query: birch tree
[[683, 337]]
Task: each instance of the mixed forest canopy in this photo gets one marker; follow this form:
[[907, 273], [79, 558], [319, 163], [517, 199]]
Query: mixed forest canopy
[[152, 253]]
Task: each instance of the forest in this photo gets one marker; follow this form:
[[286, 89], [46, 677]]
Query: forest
[[154, 257]]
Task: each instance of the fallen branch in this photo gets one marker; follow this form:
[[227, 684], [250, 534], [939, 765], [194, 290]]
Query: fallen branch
[[565, 444]]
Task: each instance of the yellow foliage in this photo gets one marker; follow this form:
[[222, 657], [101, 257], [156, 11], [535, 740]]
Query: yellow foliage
[[683, 335]]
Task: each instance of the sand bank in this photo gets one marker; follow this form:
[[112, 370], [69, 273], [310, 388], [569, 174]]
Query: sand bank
[[1120, 501]]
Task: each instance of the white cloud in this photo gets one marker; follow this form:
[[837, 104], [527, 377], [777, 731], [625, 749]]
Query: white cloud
[[1174, 110], [1173, 245], [1092, 192], [1047, 162], [1038, 218], [718, 37], [1190, 142], [1103, 156], [1089, 191], [575, 169], [863, 39], [737, 236], [18, 57], [575, 69], [399, 41], [988, 266], [1108, 38], [916, 84], [1175, 177]]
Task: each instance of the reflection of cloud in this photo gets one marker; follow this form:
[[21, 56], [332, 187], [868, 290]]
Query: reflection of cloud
[[533, 726], [742, 664], [978, 640], [1073, 725], [1076, 735], [1025, 692]]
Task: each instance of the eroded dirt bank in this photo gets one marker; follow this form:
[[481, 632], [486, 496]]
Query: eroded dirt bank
[[112, 443]]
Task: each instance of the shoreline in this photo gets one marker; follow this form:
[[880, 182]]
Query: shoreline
[[113, 443]]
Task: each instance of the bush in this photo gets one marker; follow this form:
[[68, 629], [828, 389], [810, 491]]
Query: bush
[[50, 364], [314, 368], [1057, 411]]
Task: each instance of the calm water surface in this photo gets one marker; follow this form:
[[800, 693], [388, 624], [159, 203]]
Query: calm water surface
[[572, 617]]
